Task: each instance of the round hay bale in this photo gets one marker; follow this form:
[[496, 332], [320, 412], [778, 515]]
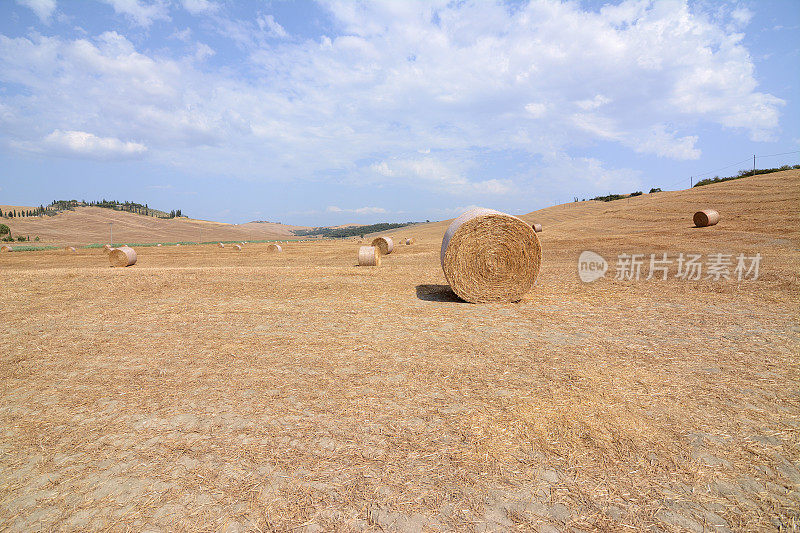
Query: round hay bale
[[159, 244], [410, 241], [70, 249], [107, 249], [221, 245], [706, 217], [178, 244], [237, 247], [489, 256], [274, 248], [122, 257], [6, 248], [384, 244], [369, 256], [536, 227]]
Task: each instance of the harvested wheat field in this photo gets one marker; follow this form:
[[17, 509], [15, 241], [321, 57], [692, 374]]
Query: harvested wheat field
[[207, 389]]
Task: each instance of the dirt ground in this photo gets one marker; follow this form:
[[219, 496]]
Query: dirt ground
[[208, 389]]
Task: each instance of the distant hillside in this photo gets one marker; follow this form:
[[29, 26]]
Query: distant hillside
[[88, 225], [351, 230]]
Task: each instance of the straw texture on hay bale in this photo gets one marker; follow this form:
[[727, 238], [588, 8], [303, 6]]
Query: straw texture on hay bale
[[489, 256], [274, 248], [537, 227], [122, 257], [384, 244], [6, 248], [369, 256], [706, 217], [410, 241]]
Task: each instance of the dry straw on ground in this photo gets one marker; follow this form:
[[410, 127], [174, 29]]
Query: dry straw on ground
[[537, 227], [706, 217], [6, 248], [384, 244], [122, 257], [488, 256], [369, 256], [274, 248]]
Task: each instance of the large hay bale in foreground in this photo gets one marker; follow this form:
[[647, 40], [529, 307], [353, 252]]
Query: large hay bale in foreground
[[537, 227], [274, 248], [6, 248], [706, 217], [384, 244], [122, 257], [489, 256], [369, 256]]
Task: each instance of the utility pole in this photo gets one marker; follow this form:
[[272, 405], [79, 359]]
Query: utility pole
[[690, 181], [111, 228], [754, 165]]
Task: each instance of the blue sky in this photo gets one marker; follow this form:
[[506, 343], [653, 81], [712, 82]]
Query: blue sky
[[332, 112]]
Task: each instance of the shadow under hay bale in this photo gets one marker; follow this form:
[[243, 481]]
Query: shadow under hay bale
[[705, 218], [437, 293]]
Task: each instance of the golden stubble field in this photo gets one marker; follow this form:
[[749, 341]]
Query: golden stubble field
[[210, 389]]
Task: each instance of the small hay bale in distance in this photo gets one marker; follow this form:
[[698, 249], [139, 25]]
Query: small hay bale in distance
[[410, 241], [489, 256], [536, 227], [122, 257], [369, 256], [69, 249], [221, 245], [237, 247], [159, 244], [706, 217], [274, 248], [384, 244], [6, 248]]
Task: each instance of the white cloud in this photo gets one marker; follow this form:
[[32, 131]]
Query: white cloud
[[360, 102], [90, 146], [268, 23], [140, 12], [357, 211], [199, 7], [43, 8]]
